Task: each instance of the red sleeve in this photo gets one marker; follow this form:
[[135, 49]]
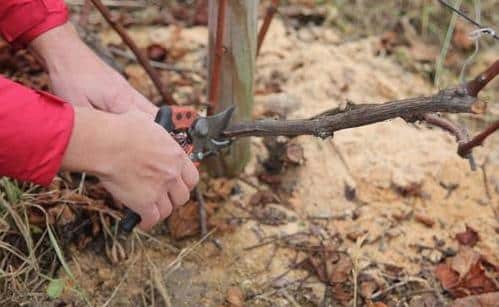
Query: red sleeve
[[23, 20], [35, 128]]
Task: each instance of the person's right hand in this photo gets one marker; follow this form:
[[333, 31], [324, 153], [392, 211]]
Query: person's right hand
[[138, 162]]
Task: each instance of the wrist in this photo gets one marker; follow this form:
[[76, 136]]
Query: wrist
[[93, 142], [57, 46]]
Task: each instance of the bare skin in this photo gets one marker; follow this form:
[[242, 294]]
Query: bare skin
[[137, 162]]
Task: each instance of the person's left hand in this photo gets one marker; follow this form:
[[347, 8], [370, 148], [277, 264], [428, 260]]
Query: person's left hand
[[79, 76]]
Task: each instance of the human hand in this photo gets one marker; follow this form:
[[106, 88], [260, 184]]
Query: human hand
[[79, 76], [136, 160]]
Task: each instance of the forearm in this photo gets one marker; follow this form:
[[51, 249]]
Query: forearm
[[59, 47], [35, 128]]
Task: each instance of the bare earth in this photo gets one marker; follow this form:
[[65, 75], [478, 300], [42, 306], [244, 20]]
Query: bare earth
[[317, 72]]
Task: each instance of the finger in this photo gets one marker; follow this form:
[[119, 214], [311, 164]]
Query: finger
[[144, 105], [178, 192], [165, 206], [150, 216], [190, 175]]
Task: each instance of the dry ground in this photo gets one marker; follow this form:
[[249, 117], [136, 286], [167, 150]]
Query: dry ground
[[317, 72]]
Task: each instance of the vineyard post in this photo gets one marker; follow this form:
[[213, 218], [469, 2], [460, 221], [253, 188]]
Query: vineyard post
[[234, 75]]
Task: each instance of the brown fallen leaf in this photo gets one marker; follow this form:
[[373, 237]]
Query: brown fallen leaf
[[342, 292], [219, 189], [469, 237], [262, 198], [424, 300], [341, 270], [273, 180], [156, 52], [61, 214], [235, 297], [424, 219], [184, 221], [464, 260], [375, 304], [468, 273], [367, 288], [448, 277], [482, 300], [461, 38]]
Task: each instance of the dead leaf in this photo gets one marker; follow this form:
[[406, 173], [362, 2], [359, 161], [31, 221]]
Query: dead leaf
[[219, 189], [184, 221], [342, 292], [156, 52], [201, 13], [61, 214], [273, 180], [469, 237], [424, 300], [367, 288], [448, 278], [342, 270], [262, 198], [424, 219], [468, 273], [461, 38], [235, 297], [375, 304], [482, 300], [464, 260]]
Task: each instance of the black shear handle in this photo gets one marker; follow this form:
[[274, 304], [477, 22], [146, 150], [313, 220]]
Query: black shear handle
[[132, 219]]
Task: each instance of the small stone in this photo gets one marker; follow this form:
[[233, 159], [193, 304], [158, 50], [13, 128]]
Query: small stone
[[433, 255]]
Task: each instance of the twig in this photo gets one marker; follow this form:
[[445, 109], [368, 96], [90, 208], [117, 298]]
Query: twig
[[462, 99], [360, 115], [267, 20], [167, 98], [464, 149], [476, 85], [381, 293], [472, 21], [202, 211], [460, 133], [486, 179], [216, 71], [154, 64]]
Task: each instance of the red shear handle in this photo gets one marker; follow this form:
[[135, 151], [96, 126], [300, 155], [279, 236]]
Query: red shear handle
[[174, 119]]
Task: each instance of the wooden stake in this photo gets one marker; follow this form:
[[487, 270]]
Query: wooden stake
[[235, 86]]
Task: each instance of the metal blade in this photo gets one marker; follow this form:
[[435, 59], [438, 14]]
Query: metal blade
[[206, 133]]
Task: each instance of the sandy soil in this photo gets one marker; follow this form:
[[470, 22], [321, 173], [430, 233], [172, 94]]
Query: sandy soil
[[318, 72]]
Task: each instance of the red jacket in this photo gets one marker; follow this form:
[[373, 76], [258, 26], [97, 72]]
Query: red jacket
[[35, 127]]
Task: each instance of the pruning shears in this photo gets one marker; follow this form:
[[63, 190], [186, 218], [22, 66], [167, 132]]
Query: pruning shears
[[199, 136]]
